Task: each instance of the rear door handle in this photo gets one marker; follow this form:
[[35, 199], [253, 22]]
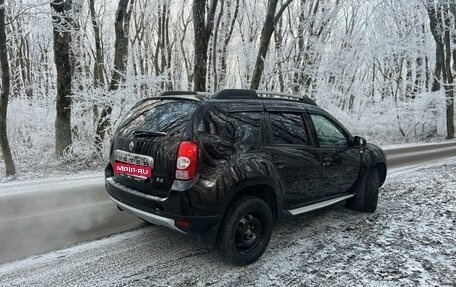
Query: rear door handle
[[327, 161]]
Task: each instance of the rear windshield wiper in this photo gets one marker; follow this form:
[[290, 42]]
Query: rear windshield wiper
[[141, 133]]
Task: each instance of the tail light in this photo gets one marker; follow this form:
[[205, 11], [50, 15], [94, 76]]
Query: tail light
[[187, 160]]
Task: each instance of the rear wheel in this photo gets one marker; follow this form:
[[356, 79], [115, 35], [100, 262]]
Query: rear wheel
[[245, 231], [368, 200]]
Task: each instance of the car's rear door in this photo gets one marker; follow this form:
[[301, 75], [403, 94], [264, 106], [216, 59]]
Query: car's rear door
[[294, 155], [340, 160]]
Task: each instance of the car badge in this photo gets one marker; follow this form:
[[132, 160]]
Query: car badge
[[131, 145]]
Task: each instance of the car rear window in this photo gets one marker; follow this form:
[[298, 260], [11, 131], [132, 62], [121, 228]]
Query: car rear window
[[169, 116]]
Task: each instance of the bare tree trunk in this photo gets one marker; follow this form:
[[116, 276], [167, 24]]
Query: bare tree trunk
[[99, 58], [28, 71], [221, 81], [266, 32], [278, 39], [453, 11], [436, 30], [162, 58], [449, 86], [62, 40], [421, 70], [438, 66], [4, 143], [298, 76], [122, 25], [409, 81], [202, 29], [214, 50], [167, 46], [76, 51], [15, 29], [186, 59], [23, 59], [441, 32]]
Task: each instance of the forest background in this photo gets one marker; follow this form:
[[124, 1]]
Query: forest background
[[71, 69]]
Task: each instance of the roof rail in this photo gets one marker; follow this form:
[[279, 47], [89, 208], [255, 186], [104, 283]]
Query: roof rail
[[285, 96], [243, 94], [206, 95], [239, 94], [230, 94], [181, 95], [178, 93]]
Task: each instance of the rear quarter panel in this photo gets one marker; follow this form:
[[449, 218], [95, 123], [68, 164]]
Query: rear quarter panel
[[226, 167], [225, 170]]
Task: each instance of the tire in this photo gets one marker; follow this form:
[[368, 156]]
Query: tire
[[368, 200], [245, 231]]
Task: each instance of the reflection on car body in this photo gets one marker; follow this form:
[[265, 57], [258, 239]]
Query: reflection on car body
[[226, 166]]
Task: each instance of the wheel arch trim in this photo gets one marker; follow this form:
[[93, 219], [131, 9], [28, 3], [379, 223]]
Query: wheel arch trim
[[250, 183]]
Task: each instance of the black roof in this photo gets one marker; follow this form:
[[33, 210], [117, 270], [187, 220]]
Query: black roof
[[239, 94]]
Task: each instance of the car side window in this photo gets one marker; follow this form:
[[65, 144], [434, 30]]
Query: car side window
[[241, 126], [213, 122], [328, 134], [288, 128], [247, 126]]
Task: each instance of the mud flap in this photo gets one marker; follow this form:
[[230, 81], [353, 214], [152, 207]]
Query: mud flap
[[209, 236]]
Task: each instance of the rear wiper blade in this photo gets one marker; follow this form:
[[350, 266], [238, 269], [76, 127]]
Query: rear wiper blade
[[141, 133]]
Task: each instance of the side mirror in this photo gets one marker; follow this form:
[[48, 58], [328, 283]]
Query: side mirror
[[359, 141]]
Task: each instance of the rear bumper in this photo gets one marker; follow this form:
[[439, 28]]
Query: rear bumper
[[150, 217], [159, 210]]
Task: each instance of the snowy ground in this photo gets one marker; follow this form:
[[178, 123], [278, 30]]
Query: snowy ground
[[50, 172], [409, 241]]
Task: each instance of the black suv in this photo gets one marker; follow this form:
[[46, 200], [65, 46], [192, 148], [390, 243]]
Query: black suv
[[226, 166]]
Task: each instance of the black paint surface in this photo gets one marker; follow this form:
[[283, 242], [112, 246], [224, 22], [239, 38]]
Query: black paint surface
[[243, 144]]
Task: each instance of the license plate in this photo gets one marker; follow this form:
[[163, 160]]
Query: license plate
[[140, 171]]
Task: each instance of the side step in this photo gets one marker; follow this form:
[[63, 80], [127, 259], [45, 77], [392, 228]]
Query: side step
[[319, 205]]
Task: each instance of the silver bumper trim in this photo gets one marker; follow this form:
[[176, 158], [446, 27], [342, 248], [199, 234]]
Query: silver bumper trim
[[149, 217]]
